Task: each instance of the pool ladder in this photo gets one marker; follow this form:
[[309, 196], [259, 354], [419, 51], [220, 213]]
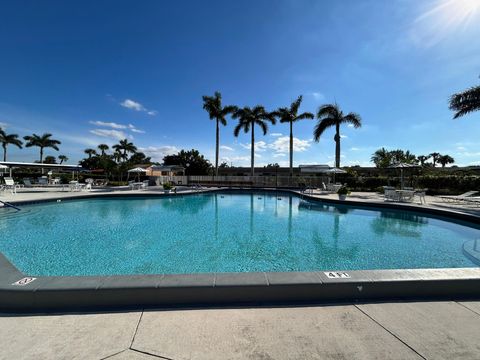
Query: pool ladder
[[6, 204]]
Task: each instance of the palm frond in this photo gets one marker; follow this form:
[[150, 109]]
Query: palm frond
[[465, 102], [352, 118], [323, 125], [329, 111]]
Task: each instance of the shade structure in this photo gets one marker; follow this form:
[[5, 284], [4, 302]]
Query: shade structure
[[401, 166], [334, 171], [138, 171]]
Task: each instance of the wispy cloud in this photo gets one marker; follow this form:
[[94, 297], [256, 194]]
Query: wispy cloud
[[108, 124], [276, 134], [114, 134], [259, 146], [317, 95], [3, 125], [136, 106], [228, 148]]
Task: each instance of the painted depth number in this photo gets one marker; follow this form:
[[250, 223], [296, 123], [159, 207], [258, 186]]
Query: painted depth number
[[24, 281], [337, 275]]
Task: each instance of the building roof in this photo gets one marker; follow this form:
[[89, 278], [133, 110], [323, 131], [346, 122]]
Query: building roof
[[14, 164]]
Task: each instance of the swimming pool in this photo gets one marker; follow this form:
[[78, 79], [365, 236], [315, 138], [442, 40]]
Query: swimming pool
[[225, 232]]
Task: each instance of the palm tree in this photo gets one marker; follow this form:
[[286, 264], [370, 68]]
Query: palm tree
[[42, 141], [103, 148], [290, 115], [213, 105], [248, 118], [465, 102], [62, 159], [8, 139], [435, 157], [423, 159], [382, 158], [445, 159], [124, 147], [90, 152], [330, 115]]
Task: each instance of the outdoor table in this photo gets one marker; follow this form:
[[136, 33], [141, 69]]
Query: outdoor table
[[402, 194], [137, 185]]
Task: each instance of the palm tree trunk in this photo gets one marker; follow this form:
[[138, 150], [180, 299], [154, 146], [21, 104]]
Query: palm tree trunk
[[4, 152], [217, 149], [337, 145], [252, 170], [291, 148], [41, 157]]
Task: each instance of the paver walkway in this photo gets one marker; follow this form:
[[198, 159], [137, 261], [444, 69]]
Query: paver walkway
[[403, 330]]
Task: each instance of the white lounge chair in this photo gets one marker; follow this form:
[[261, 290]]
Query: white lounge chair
[[10, 185], [458, 198]]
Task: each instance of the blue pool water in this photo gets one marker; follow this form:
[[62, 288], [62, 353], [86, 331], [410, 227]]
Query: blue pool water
[[224, 233]]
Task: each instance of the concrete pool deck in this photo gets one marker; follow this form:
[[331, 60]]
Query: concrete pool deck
[[396, 330]]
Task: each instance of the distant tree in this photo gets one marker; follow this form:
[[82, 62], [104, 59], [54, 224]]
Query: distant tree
[[8, 139], [50, 160], [217, 112], [400, 156], [124, 147], [223, 165], [381, 158], [193, 162], [465, 102], [423, 159], [247, 119], [274, 166], [103, 148], [139, 158], [42, 141], [90, 152], [445, 160], [290, 115], [62, 159], [435, 157], [330, 115]]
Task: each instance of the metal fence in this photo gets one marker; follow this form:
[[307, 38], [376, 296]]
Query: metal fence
[[245, 181]]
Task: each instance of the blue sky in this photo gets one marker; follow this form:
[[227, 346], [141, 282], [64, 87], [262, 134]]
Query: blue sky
[[92, 72]]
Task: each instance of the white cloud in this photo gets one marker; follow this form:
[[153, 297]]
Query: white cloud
[[157, 153], [228, 148], [259, 146], [343, 136], [115, 134], [236, 160], [108, 124], [130, 104], [279, 155], [317, 96], [3, 125], [136, 106], [135, 130], [350, 125], [282, 145], [354, 149], [276, 134]]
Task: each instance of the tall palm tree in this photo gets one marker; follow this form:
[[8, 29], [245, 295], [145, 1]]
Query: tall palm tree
[[8, 139], [435, 157], [291, 115], [103, 148], [465, 102], [42, 141], [248, 118], [90, 152], [62, 158], [445, 159], [330, 115], [213, 105], [124, 147]]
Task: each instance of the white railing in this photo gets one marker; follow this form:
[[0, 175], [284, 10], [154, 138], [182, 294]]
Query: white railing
[[245, 181]]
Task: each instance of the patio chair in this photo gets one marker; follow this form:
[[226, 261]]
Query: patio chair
[[145, 184], [43, 181], [10, 185], [27, 183], [391, 195], [421, 195], [458, 198], [474, 200]]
